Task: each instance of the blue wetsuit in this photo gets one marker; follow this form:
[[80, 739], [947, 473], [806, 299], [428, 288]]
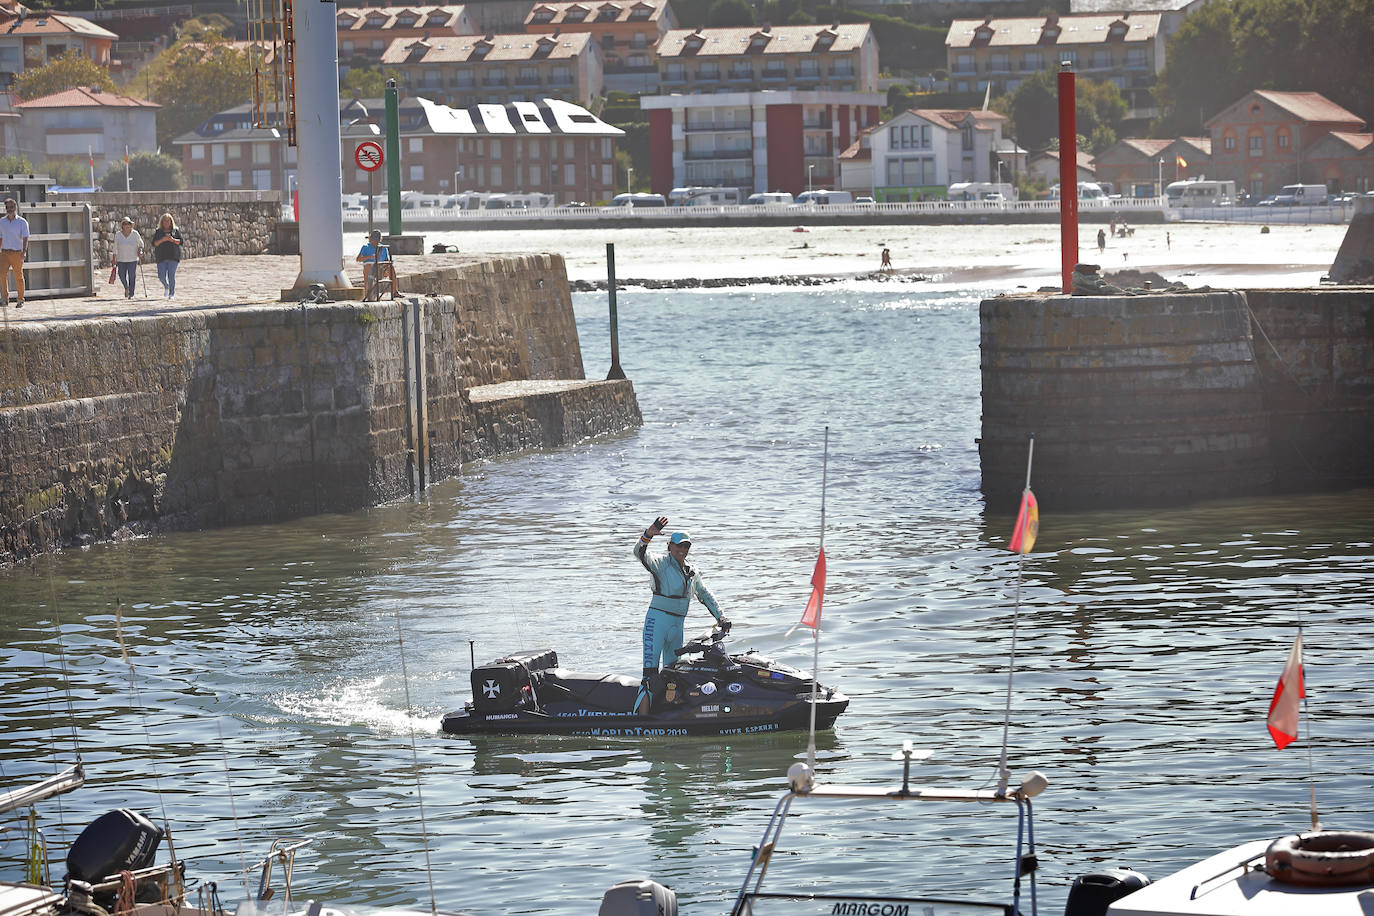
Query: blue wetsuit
[[674, 587]]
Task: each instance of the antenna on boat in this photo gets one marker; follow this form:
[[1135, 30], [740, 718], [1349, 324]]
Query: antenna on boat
[[415, 758], [812, 616], [1022, 539], [1311, 775]]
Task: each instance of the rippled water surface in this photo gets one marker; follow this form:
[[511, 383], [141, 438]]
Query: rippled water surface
[[266, 695]]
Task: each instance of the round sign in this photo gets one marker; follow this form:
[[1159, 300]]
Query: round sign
[[368, 155]]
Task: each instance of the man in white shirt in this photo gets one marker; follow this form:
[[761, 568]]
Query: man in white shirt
[[14, 249]]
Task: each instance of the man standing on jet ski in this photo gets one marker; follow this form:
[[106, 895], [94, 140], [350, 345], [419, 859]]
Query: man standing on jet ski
[[675, 584]]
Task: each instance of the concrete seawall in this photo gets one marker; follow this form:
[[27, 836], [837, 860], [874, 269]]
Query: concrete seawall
[[1176, 397], [258, 413]]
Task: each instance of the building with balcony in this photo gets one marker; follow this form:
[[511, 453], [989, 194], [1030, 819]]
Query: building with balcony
[[1172, 12], [919, 153], [366, 32], [549, 146], [1126, 49], [34, 39], [841, 58], [77, 123], [774, 140], [465, 70], [627, 33], [1264, 140]]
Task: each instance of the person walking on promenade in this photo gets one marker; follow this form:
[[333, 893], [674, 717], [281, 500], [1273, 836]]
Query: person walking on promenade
[[14, 250], [128, 251], [1101, 241], [675, 584], [167, 253]]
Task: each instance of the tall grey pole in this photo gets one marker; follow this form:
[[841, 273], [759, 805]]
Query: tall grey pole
[[616, 372], [318, 139]]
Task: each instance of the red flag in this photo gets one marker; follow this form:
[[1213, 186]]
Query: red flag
[[1027, 525], [1182, 163], [811, 617], [1283, 709]]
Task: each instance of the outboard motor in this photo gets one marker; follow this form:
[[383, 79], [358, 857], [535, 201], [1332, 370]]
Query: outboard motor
[[639, 898], [500, 685], [114, 842], [1091, 894]]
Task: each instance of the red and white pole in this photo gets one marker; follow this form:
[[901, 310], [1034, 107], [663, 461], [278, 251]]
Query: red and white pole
[[1068, 175]]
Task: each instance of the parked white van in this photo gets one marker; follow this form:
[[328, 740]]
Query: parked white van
[[703, 197], [825, 198], [769, 198], [1302, 195], [638, 200], [1200, 192]]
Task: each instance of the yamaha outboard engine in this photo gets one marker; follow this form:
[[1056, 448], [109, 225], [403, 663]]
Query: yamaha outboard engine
[[1090, 895], [118, 841], [639, 898]]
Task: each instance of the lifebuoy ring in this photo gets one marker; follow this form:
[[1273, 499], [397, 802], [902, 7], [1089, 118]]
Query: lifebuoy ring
[[1329, 858]]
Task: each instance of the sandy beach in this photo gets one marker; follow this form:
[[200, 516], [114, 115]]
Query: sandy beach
[[988, 257]]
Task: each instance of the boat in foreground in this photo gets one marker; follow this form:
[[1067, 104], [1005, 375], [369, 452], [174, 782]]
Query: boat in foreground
[[708, 691]]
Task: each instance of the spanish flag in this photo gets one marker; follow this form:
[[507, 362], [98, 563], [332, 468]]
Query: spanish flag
[[1182, 163], [1027, 525]]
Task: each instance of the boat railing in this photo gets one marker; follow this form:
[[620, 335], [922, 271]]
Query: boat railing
[[1242, 866]]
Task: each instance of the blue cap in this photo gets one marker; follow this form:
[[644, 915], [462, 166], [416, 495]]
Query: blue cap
[[679, 537]]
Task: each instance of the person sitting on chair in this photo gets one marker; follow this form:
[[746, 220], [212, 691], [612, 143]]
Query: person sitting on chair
[[376, 259]]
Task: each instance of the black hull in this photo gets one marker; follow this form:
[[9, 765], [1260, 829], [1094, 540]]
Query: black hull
[[671, 724]]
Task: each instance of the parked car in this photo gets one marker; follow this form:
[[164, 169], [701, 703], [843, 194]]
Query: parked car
[[863, 200]]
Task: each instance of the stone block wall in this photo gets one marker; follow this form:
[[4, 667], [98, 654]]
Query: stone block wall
[[211, 222]]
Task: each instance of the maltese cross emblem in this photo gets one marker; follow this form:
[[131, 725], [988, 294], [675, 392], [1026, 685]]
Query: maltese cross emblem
[[491, 690]]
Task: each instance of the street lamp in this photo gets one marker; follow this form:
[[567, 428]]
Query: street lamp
[[1159, 188], [629, 179], [809, 168], [458, 173]]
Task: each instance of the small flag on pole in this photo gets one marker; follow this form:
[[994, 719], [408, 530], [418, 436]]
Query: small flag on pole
[[1182, 163], [1027, 525], [811, 617], [1283, 709]]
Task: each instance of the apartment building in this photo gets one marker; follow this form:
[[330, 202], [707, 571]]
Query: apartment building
[[919, 153], [1126, 49], [366, 32], [550, 146], [465, 70], [33, 39], [1265, 139], [627, 33], [842, 58], [77, 123], [772, 140]]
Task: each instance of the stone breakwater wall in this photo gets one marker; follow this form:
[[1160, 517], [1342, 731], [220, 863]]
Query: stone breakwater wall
[[1177, 397], [261, 413], [210, 222]]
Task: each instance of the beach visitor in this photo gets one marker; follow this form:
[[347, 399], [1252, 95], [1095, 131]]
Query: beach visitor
[[128, 245], [372, 255], [887, 260], [1101, 241], [1168, 241], [675, 584], [14, 250], [1113, 227], [167, 253]]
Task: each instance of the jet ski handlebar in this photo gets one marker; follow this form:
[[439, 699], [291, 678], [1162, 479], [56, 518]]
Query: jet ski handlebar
[[706, 641]]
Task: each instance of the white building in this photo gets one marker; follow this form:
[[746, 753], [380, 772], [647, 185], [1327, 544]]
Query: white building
[[919, 153]]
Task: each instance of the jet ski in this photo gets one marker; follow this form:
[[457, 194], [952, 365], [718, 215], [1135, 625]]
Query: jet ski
[[707, 691]]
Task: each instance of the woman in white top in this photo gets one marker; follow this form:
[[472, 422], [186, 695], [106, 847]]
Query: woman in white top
[[128, 251]]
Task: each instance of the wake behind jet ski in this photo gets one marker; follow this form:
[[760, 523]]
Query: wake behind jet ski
[[707, 691]]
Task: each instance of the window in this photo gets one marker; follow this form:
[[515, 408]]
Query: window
[[217, 154], [496, 176], [494, 152], [570, 174], [606, 150], [999, 62], [415, 145], [963, 63], [709, 71], [262, 153], [1228, 143], [235, 178], [608, 42], [1102, 59], [197, 150], [1135, 58], [529, 76], [534, 177], [808, 69], [346, 48], [1283, 140], [1032, 61], [197, 179], [910, 172], [417, 173], [233, 150], [741, 70], [1256, 144]]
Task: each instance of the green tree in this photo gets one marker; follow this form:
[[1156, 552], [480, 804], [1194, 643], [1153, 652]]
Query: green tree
[[14, 164], [147, 172], [68, 173], [1034, 110], [200, 78], [726, 13], [69, 71], [367, 82]]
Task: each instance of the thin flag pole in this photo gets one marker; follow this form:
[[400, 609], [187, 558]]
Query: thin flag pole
[[816, 631], [1311, 775], [1003, 774]]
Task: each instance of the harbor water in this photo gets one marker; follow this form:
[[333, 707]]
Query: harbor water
[[289, 679]]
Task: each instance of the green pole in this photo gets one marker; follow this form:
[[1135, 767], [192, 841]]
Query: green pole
[[393, 159]]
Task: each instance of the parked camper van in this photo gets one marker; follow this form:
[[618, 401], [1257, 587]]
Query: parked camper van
[[1087, 190], [638, 200], [769, 198], [1302, 195], [703, 197], [981, 190], [1200, 192], [825, 198]]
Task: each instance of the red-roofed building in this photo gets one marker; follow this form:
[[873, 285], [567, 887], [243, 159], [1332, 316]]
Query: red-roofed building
[[1263, 140], [34, 39], [838, 57], [922, 151], [1045, 167], [1344, 161], [72, 122], [464, 70], [1141, 168], [366, 32], [627, 31]]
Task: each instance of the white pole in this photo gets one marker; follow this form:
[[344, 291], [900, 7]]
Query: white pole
[[318, 140], [816, 631], [1003, 774]]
